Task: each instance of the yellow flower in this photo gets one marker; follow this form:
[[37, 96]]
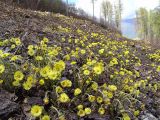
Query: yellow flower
[[36, 110], [31, 52], [83, 51], [99, 99], [45, 39], [30, 47], [101, 111], [27, 85], [45, 117], [13, 46], [30, 79], [158, 69], [39, 58], [2, 68], [87, 111], [63, 98], [109, 94], [18, 75], [126, 52], [16, 83], [67, 57], [53, 74], [44, 71], [126, 116], [73, 62], [80, 107], [91, 98], [121, 73], [81, 113], [113, 62], [46, 100], [112, 88], [136, 112], [98, 69], [1, 81], [86, 72], [77, 91], [59, 66], [66, 83], [101, 51], [17, 41], [59, 89], [14, 58], [94, 86], [5, 55], [41, 82], [53, 52]]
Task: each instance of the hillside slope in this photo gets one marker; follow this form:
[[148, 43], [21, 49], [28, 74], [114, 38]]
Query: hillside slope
[[69, 68]]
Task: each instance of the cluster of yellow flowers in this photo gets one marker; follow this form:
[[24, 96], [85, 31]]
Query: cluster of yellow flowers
[[85, 75]]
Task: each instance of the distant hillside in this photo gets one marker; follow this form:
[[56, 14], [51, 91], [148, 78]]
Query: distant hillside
[[55, 67], [131, 20]]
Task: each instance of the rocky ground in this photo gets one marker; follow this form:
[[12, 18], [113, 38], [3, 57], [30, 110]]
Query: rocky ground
[[32, 26]]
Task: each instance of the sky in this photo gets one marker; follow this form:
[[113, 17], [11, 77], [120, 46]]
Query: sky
[[129, 6]]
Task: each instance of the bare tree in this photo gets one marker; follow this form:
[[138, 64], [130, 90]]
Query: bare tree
[[118, 14], [67, 7], [107, 11], [93, 7]]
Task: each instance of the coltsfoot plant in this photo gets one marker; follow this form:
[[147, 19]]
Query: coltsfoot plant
[[80, 76]]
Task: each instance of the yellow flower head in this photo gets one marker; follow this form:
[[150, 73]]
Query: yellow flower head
[[91, 98], [77, 91], [31, 52], [30, 47], [39, 58], [94, 86], [16, 83], [46, 100], [45, 117], [63, 98], [83, 51], [1, 81], [86, 72], [41, 82], [158, 69], [80, 107], [126, 116], [2, 68], [59, 66], [36, 110], [27, 85], [44, 71], [59, 89], [109, 94], [18, 76], [101, 111], [53, 74], [17, 41], [45, 40], [101, 51], [112, 88], [81, 113], [136, 112], [87, 111], [98, 69], [66, 83], [99, 99]]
